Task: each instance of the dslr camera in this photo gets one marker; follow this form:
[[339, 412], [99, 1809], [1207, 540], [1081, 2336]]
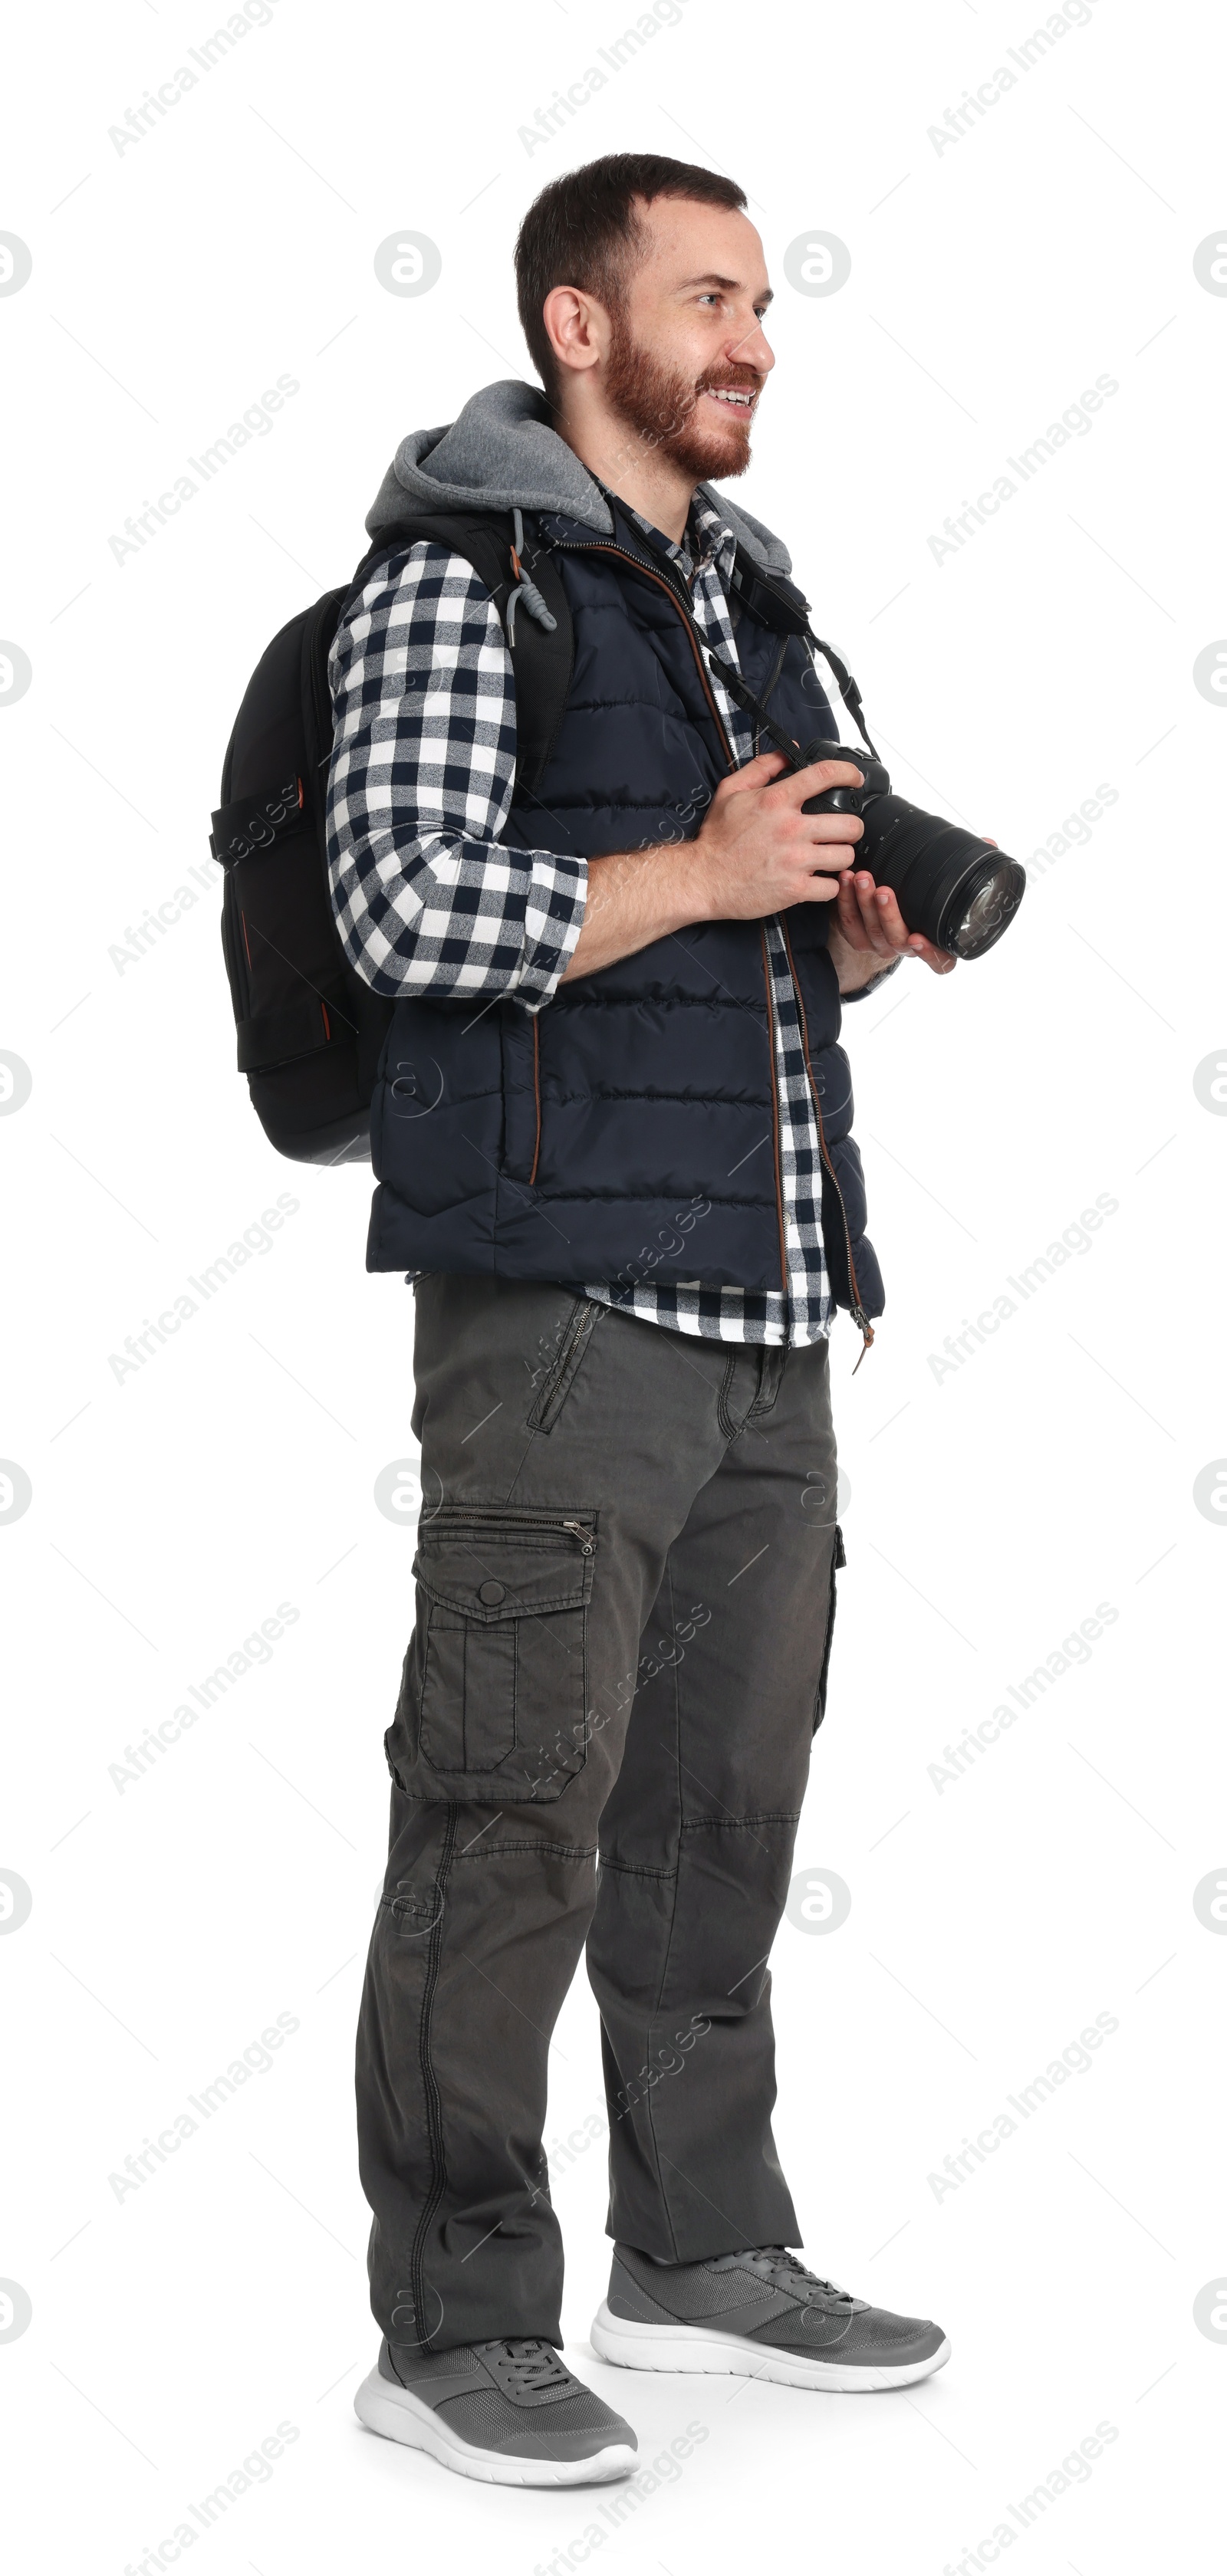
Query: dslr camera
[[953, 887]]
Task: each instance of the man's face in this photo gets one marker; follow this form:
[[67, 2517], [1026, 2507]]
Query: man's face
[[687, 357]]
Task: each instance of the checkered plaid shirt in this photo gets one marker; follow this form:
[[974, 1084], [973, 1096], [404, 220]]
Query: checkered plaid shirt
[[428, 900]]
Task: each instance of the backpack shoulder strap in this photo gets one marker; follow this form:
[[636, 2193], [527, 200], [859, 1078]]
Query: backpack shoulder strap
[[541, 658]]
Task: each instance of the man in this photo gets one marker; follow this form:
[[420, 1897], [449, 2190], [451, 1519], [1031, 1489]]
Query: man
[[611, 1136]]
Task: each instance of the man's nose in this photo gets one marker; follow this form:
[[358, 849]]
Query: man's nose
[[750, 347]]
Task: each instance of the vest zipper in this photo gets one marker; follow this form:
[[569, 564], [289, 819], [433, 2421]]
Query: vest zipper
[[775, 1114], [859, 1316], [536, 1097], [600, 545]]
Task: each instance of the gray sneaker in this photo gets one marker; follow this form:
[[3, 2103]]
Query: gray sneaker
[[760, 2315], [507, 2411]]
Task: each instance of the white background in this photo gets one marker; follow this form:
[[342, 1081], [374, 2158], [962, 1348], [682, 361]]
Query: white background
[[992, 1509]]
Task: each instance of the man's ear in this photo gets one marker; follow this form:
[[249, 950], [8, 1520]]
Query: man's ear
[[578, 327]]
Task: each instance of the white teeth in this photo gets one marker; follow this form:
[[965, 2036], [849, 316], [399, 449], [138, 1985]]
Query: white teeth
[[725, 393]]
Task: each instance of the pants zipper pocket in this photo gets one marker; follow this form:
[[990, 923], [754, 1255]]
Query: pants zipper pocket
[[553, 1393], [501, 1523]]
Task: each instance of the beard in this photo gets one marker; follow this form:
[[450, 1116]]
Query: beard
[[661, 407]]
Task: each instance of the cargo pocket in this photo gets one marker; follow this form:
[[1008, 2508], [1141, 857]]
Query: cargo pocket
[[494, 1696], [838, 1558]]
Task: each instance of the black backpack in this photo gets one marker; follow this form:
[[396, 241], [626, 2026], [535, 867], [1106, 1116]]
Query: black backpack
[[310, 1032]]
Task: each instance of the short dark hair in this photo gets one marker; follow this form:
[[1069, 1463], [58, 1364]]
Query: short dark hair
[[583, 230]]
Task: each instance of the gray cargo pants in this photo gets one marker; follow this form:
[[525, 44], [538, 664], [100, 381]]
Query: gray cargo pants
[[624, 1598]]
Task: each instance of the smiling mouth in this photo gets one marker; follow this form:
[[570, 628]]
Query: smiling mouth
[[734, 397]]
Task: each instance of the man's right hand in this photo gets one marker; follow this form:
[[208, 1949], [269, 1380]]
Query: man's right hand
[[758, 853]]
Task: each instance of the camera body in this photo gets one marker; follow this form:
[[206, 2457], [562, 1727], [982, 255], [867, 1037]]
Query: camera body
[[951, 885]]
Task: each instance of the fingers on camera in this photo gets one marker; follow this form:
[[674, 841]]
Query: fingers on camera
[[846, 828]]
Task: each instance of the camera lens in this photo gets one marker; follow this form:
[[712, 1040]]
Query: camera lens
[[951, 885], [987, 902]]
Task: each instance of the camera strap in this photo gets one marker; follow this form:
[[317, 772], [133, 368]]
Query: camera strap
[[744, 697], [848, 690]]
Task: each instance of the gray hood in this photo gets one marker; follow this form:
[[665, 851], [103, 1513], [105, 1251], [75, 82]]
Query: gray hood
[[501, 454]]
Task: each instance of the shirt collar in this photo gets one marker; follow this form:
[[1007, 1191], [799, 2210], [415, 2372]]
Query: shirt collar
[[716, 541], [708, 539]]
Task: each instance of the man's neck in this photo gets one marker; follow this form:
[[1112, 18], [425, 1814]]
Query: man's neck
[[642, 476]]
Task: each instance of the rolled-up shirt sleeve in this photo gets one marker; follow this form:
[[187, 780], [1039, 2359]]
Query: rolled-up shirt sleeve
[[427, 897]]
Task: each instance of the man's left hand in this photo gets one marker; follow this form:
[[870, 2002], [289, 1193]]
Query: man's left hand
[[868, 932]]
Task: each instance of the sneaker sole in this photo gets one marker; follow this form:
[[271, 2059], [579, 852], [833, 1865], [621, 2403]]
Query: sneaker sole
[[384, 2407], [634, 2346]]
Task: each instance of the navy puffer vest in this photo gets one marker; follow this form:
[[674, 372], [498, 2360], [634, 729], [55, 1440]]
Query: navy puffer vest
[[565, 1144]]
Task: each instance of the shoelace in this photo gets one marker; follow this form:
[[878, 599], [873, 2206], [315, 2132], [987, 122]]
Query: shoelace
[[773, 2260], [528, 2363]]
